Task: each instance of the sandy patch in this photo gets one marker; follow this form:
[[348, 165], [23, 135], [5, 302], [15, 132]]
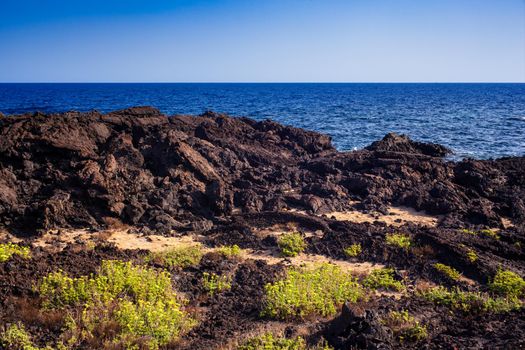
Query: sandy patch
[[396, 216], [154, 243], [7, 237], [123, 239], [281, 229]]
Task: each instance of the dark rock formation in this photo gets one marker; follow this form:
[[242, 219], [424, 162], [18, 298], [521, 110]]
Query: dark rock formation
[[393, 142], [185, 172]]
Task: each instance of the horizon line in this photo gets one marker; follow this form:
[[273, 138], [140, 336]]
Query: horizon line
[[262, 82]]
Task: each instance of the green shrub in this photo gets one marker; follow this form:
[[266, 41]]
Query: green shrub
[[15, 337], [490, 233], [214, 283], [448, 271], [468, 302], [311, 291], [139, 300], [468, 232], [182, 257], [9, 249], [399, 240], [353, 251], [269, 342], [229, 251], [472, 256], [508, 283], [405, 327], [383, 279], [291, 244]]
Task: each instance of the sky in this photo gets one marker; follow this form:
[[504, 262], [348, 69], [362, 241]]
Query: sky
[[262, 41]]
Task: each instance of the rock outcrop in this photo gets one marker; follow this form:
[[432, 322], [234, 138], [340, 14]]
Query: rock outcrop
[[184, 172]]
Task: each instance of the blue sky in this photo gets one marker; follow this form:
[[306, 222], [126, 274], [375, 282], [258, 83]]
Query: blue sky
[[262, 40]]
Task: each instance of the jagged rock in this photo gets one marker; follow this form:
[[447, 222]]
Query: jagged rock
[[393, 142], [146, 169], [356, 328]]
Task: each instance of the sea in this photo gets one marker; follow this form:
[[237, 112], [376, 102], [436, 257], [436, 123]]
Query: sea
[[475, 120]]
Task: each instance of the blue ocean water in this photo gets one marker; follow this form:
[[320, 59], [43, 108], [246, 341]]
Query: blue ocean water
[[475, 120]]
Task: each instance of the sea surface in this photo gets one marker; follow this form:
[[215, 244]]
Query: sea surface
[[475, 120]]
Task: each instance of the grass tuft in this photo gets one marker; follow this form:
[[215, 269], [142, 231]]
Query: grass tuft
[[7, 250], [305, 292], [181, 257], [270, 342], [470, 302], [448, 271], [383, 279], [472, 256], [468, 232], [291, 244], [353, 251], [508, 284], [214, 283], [230, 251], [399, 240], [405, 326], [490, 233]]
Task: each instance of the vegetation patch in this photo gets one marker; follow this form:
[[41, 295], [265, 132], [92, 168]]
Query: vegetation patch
[[317, 291], [268, 341], [214, 283], [405, 326], [383, 279], [468, 232], [508, 283], [229, 251], [472, 256], [448, 271], [181, 257], [138, 303], [398, 240], [470, 302], [15, 337], [291, 244], [490, 233], [7, 250], [353, 251]]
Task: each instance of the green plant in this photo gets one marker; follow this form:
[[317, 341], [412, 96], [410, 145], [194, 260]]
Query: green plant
[[508, 283], [311, 291], [399, 240], [470, 302], [9, 249], [229, 251], [490, 233], [291, 244], [214, 283], [383, 279], [448, 271], [472, 256], [139, 301], [405, 327], [269, 342], [353, 251], [184, 256], [468, 232], [15, 337]]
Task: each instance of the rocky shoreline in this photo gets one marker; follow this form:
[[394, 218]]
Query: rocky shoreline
[[226, 180]]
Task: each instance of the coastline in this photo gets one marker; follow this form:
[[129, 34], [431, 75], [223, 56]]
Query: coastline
[[224, 181]]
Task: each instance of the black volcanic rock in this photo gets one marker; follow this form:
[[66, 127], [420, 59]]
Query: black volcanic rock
[[165, 173], [393, 142]]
